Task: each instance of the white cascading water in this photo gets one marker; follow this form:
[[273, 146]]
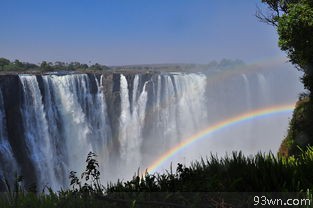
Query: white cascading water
[[246, 131], [71, 117], [131, 123], [178, 112], [138, 118], [265, 92], [83, 119], [58, 149], [167, 112], [101, 129], [61, 131], [124, 117], [37, 138], [191, 104], [247, 91], [67, 116]]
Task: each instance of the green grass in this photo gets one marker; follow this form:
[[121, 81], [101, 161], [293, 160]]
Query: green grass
[[235, 173], [187, 186]]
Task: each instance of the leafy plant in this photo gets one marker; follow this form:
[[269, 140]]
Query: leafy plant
[[91, 176]]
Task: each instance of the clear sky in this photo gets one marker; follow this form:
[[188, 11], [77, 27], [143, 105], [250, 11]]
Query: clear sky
[[117, 32]]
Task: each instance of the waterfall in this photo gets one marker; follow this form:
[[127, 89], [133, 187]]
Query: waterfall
[[167, 111], [131, 123], [265, 92], [82, 120], [37, 137], [247, 91], [128, 120], [63, 124], [124, 118], [191, 102]]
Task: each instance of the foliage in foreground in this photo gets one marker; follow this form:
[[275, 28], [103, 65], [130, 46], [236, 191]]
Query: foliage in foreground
[[188, 186], [235, 173], [293, 20]]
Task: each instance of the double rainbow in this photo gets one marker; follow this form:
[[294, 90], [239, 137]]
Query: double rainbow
[[256, 114]]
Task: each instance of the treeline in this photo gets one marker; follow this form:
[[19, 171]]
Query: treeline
[[16, 65], [7, 65]]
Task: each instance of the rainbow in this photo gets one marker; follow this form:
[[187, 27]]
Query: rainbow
[[256, 114]]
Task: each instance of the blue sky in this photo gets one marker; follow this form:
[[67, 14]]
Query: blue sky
[[117, 32]]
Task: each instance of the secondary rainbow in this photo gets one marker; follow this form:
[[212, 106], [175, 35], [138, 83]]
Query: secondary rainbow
[[256, 114]]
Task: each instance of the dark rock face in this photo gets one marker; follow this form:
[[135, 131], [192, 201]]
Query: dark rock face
[[12, 92]]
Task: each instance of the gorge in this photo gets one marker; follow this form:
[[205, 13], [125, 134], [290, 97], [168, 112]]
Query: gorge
[[49, 122]]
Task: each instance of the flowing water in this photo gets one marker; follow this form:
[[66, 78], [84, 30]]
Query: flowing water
[[129, 120]]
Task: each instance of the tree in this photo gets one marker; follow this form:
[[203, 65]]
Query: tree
[[28, 66], [294, 22], [45, 66], [84, 66], [18, 65], [58, 65], [4, 62], [296, 38], [276, 8]]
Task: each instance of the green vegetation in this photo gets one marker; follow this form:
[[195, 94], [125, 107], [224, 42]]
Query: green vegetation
[[234, 173], [300, 131], [17, 66], [294, 22], [295, 31]]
